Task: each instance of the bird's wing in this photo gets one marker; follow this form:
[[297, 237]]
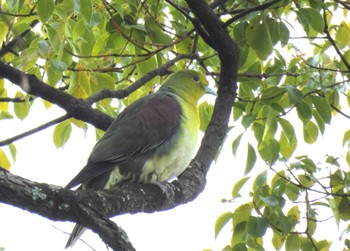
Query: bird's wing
[[141, 127]]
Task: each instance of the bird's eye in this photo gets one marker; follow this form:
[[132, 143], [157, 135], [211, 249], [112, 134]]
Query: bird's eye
[[196, 78]]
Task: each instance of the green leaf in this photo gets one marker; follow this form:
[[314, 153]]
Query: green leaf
[[272, 94], [304, 110], [251, 158], [346, 137], [21, 108], [85, 10], [45, 9], [100, 43], [78, 30], [79, 84], [319, 121], [323, 245], [237, 187], [13, 151], [156, 34], [292, 192], [239, 234], [312, 224], [5, 115], [58, 66], [277, 241], [258, 130], [221, 221], [294, 94], [294, 215], [4, 162], [62, 133], [292, 242], [242, 213], [312, 18], [247, 120], [269, 150], [306, 180], [256, 226], [270, 125], [270, 200], [287, 145], [52, 76], [310, 132], [239, 247], [205, 113], [284, 34], [342, 35], [259, 38], [3, 31], [287, 128], [55, 41], [323, 108], [236, 143], [260, 181]]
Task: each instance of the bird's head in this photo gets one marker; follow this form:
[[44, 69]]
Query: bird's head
[[187, 84]]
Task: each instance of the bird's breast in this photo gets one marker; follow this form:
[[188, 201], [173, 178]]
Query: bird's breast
[[175, 154]]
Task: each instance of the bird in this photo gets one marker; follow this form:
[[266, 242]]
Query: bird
[[152, 140]]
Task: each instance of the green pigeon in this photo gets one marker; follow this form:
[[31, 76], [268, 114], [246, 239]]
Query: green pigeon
[[152, 140]]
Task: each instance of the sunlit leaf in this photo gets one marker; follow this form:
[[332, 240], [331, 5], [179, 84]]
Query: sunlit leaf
[[236, 143], [4, 162], [237, 187], [251, 158], [45, 9], [205, 112], [304, 110], [294, 94], [247, 120], [62, 133], [259, 38], [21, 108], [13, 151], [322, 107], [269, 150], [310, 132], [292, 242], [256, 226], [221, 221], [311, 17], [85, 10]]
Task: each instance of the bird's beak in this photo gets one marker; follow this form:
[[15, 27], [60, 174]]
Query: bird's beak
[[211, 91]]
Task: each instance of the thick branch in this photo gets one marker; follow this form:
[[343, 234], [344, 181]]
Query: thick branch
[[228, 52], [74, 107]]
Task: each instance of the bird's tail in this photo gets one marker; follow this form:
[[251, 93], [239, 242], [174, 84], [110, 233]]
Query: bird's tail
[[78, 230]]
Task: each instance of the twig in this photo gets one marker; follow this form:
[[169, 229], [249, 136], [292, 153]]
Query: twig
[[140, 82], [250, 10], [7, 47], [34, 130], [331, 40]]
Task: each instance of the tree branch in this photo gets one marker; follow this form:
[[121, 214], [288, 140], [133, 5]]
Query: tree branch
[[74, 107], [34, 130]]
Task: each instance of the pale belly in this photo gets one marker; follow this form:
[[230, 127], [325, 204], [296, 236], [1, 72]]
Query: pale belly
[[170, 165]]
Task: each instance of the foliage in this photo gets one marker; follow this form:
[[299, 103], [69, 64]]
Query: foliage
[[294, 68]]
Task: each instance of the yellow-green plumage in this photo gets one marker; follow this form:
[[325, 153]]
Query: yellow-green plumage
[[152, 140]]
